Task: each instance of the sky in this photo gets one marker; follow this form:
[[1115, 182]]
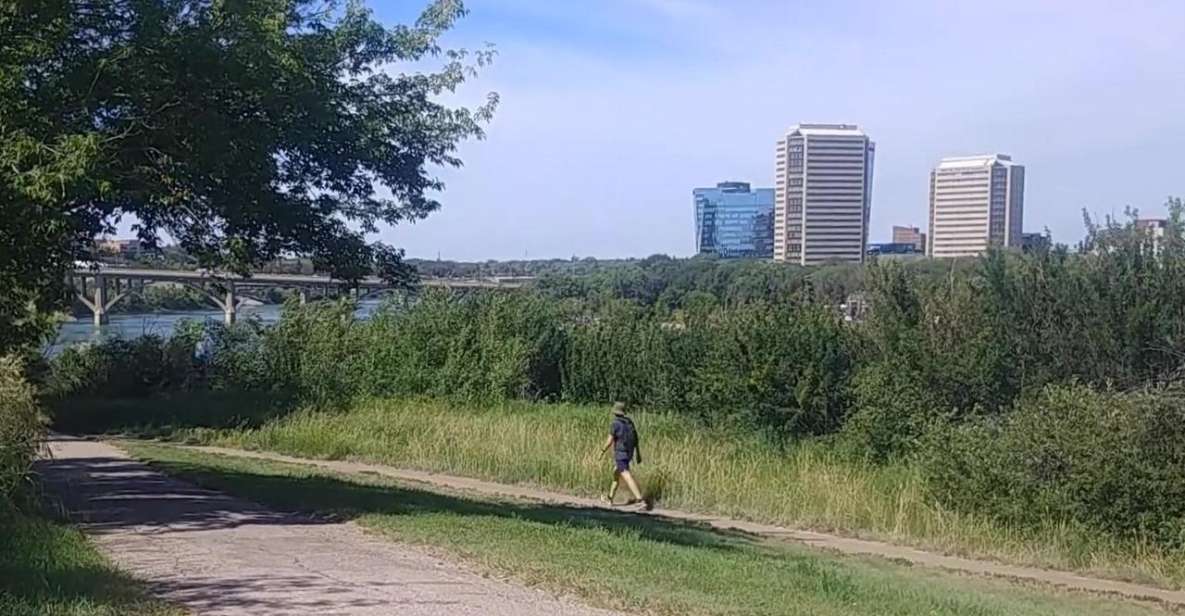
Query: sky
[[614, 110]]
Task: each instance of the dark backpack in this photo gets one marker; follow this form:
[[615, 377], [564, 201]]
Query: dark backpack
[[629, 434]]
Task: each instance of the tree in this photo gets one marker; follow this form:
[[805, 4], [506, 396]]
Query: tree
[[244, 130]]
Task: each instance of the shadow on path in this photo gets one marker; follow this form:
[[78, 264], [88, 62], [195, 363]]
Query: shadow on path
[[219, 555], [110, 493], [322, 496]]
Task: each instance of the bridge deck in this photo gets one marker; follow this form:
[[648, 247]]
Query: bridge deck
[[291, 280]]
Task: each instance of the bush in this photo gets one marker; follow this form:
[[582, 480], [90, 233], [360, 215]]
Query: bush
[[122, 368], [476, 347], [783, 370], [20, 431], [624, 352], [1109, 460], [893, 410]]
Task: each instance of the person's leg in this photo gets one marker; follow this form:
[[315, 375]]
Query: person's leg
[[613, 486], [631, 484]]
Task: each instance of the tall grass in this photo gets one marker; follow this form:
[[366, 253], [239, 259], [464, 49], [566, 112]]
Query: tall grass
[[809, 485], [50, 569], [20, 432]]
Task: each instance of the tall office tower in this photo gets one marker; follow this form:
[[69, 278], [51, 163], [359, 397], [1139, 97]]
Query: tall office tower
[[823, 193], [910, 235], [975, 202], [734, 221]]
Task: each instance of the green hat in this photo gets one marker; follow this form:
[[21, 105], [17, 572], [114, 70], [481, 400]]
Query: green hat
[[619, 408]]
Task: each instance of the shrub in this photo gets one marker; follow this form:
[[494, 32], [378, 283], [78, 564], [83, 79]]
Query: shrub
[[310, 354], [1106, 459], [20, 431], [123, 368], [893, 410], [624, 352], [783, 370]]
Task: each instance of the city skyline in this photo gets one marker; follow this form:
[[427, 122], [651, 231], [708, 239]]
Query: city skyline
[[611, 112]]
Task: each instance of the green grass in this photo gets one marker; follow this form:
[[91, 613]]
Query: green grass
[[554, 446], [619, 560], [48, 569], [809, 486]]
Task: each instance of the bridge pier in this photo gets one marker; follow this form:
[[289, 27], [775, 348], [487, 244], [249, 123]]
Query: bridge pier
[[99, 307], [97, 303], [230, 305]]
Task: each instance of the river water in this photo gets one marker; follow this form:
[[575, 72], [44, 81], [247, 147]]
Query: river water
[[134, 325]]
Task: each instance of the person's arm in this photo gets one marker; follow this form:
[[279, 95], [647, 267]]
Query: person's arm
[[607, 445]]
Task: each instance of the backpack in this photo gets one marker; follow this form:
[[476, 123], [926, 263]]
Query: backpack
[[629, 434]]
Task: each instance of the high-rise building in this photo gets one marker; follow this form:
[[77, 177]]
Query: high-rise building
[[909, 235], [975, 202], [734, 221], [823, 193]]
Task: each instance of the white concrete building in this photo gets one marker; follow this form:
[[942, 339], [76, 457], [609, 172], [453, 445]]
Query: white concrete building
[[822, 194], [975, 202]]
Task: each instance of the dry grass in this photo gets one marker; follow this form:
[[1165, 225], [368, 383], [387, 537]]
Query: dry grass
[[809, 486]]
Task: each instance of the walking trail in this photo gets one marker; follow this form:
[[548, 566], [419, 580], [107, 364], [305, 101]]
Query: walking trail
[[217, 555], [844, 545]]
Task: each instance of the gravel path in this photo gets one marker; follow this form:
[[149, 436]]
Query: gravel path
[[217, 555], [835, 543]]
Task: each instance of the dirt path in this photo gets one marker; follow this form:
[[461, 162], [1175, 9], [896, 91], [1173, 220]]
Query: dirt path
[[218, 555], [835, 543]]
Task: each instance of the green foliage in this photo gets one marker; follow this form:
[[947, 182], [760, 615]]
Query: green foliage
[[976, 341], [782, 369], [893, 409], [51, 569], [244, 130], [1107, 459], [998, 362], [623, 352], [159, 298], [20, 432], [122, 368]]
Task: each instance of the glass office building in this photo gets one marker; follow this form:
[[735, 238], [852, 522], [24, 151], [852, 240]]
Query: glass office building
[[733, 221]]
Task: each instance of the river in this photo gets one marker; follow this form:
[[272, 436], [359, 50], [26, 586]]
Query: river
[[134, 325]]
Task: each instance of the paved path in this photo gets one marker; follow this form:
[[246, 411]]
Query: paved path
[[218, 555], [835, 543]]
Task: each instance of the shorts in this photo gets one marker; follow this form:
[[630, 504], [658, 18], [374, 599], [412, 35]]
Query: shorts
[[622, 464]]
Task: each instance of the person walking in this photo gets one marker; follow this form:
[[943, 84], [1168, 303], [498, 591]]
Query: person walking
[[623, 439]]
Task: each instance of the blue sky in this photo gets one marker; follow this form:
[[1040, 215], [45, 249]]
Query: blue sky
[[613, 110]]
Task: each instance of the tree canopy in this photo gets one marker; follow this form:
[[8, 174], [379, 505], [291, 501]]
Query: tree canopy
[[242, 129]]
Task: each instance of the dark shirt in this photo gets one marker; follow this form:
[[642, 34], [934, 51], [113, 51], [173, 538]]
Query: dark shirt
[[625, 437]]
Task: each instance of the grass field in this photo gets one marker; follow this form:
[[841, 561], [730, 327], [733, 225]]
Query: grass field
[[48, 569], [555, 446], [623, 561]]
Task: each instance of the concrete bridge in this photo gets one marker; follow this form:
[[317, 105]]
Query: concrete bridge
[[100, 289]]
